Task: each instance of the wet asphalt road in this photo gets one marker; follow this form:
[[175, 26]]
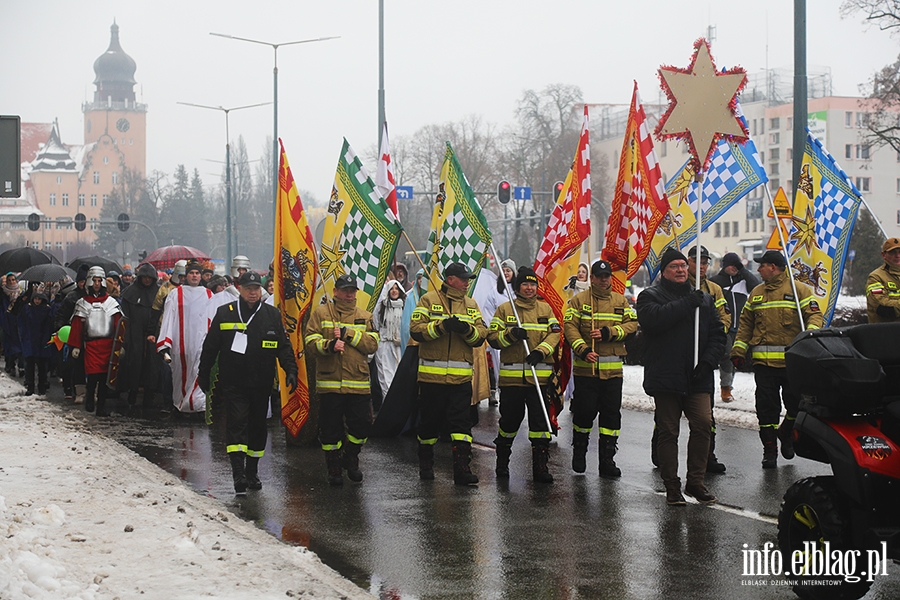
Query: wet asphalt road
[[582, 537]]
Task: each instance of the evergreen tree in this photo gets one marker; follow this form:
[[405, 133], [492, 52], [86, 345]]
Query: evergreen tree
[[866, 241]]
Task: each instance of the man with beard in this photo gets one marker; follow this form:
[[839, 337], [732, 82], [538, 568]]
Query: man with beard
[[139, 367]]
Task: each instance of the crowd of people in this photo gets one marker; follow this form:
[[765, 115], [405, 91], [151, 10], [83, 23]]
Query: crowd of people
[[191, 333]]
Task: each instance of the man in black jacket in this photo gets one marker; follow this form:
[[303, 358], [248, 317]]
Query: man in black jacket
[[736, 283], [247, 336], [666, 313], [139, 363]]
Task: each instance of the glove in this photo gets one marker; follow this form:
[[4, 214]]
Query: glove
[[701, 372], [695, 298], [738, 362], [519, 333], [76, 352], [291, 382], [331, 345], [888, 312], [605, 334], [455, 325], [167, 357], [535, 357]]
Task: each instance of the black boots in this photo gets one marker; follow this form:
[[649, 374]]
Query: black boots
[[769, 437], [540, 456], [333, 462], [673, 492], [699, 492], [462, 457], [608, 468], [426, 462], [504, 450], [351, 461], [237, 472], [252, 473], [786, 437], [579, 451], [712, 463]]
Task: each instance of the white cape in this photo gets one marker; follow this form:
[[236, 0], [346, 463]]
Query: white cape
[[185, 322]]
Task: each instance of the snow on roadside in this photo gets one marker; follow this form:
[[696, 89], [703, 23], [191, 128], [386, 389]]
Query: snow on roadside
[[83, 517]]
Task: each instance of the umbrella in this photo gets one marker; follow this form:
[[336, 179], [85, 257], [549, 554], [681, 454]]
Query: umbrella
[[167, 256], [95, 261], [19, 259], [48, 272]]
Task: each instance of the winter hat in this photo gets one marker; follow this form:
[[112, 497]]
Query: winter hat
[[772, 257], [732, 260], [668, 256], [508, 264], [81, 275], [147, 270], [525, 275]]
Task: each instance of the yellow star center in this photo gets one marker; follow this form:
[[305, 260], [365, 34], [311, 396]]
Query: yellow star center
[[330, 264], [805, 233]]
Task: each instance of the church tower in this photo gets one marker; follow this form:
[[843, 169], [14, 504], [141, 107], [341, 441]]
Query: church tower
[[114, 121]]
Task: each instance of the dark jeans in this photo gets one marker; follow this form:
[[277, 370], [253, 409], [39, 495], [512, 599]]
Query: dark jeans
[[96, 382], [513, 402], [595, 397], [335, 409], [442, 404], [669, 408], [41, 364], [726, 367], [771, 386], [245, 418]]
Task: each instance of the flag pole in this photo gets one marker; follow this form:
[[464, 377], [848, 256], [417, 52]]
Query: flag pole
[[787, 259], [698, 179], [877, 220], [537, 386]]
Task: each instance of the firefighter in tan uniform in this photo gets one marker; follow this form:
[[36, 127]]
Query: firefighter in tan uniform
[[448, 325], [715, 290], [883, 286], [769, 322], [541, 329], [342, 336], [596, 323]]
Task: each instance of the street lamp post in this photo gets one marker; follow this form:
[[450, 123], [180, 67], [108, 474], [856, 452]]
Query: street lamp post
[[229, 232], [275, 156]]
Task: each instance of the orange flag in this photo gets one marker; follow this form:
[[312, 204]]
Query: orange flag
[[296, 269]]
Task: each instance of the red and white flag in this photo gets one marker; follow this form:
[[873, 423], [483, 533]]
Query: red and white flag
[[384, 175], [639, 203]]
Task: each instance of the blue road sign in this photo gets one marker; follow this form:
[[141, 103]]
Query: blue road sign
[[404, 192], [522, 193]]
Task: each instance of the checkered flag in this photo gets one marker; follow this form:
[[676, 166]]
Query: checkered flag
[[459, 231]]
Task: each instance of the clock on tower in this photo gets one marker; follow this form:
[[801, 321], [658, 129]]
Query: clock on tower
[[123, 125]]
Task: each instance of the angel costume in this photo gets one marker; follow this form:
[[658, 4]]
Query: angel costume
[[388, 318], [185, 322]]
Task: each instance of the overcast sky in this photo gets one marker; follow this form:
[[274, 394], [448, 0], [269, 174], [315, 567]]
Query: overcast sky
[[443, 60]]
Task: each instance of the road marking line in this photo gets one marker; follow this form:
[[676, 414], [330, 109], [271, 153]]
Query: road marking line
[[732, 510]]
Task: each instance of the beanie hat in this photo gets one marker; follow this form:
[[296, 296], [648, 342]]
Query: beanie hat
[[668, 256], [525, 275], [732, 260], [508, 264], [81, 275]]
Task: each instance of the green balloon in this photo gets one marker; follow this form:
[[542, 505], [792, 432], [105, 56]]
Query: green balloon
[[63, 333]]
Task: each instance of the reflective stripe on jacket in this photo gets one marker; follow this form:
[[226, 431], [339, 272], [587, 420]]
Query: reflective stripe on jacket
[[594, 309], [883, 290], [543, 334], [344, 372]]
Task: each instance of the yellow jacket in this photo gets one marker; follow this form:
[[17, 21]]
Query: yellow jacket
[[769, 320], [543, 335], [444, 356], [344, 372], [609, 309], [883, 290], [715, 290]]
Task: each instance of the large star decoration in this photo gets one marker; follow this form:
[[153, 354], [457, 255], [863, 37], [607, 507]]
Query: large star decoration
[[330, 265], [701, 105]]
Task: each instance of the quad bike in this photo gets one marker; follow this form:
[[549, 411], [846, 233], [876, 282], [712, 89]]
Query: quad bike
[[849, 381]]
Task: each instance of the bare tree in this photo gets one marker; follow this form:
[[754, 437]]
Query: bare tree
[[885, 14]]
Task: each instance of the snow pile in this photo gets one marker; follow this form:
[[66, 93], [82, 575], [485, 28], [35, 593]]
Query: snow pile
[[83, 517]]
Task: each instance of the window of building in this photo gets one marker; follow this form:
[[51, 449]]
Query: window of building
[[726, 229], [48, 246], [755, 223], [774, 153], [775, 123], [93, 224], [864, 150], [762, 127], [790, 186], [753, 131], [898, 185], [65, 199], [88, 125], [774, 184], [36, 245], [80, 199], [96, 176], [52, 199], [862, 184], [718, 232], [775, 138], [105, 160], [848, 152], [59, 245], [862, 120], [790, 123], [58, 179], [848, 119], [131, 141], [114, 142], [898, 217], [747, 226], [115, 178], [105, 198], [93, 199], [773, 169], [789, 155], [736, 230]]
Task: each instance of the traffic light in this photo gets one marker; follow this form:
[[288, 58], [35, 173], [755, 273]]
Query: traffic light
[[122, 222], [557, 190], [143, 256], [80, 222], [503, 192], [34, 221]]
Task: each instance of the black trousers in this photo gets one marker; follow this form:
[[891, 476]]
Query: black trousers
[[245, 418], [601, 398], [335, 410], [96, 383], [771, 387], [441, 404], [513, 402], [41, 364]]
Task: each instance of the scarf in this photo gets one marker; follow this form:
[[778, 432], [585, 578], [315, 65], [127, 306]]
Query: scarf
[[391, 320]]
